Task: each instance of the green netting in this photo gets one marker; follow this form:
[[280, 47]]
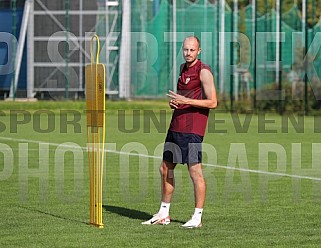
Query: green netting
[[293, 18], [154, 77], [109, 23]]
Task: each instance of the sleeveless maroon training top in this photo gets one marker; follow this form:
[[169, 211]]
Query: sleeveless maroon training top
[[186, 118]]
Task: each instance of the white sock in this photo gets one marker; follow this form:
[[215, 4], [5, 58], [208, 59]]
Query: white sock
[[198, 214], [164, 209]]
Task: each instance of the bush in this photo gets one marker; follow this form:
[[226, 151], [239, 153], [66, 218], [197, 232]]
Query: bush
[[293, 99]]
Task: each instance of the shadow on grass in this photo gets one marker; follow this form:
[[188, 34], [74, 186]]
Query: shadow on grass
[[54, 215], [132, 213]]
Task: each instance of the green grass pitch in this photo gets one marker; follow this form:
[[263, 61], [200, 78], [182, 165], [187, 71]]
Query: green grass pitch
[[263, 177]]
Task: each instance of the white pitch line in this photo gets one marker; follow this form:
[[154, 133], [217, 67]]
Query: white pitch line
[[159, 157]]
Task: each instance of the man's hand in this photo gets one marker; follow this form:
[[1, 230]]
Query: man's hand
[[176, 99], [172, 104]]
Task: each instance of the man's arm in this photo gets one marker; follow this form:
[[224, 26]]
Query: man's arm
[[210, 100]]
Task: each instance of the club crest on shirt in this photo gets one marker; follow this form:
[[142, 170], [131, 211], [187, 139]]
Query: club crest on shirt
[[187, 80]]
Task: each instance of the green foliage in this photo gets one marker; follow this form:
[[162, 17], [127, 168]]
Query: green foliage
[[265, 6], [293, 99]]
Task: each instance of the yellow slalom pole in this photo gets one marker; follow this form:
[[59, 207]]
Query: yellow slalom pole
[[99, 203], [95, 104], [91, 174]]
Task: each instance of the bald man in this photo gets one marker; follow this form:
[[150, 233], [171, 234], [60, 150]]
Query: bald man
[[195, 96]]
